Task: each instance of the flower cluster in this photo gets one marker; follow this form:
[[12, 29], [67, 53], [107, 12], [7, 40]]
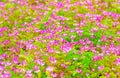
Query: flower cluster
[[59, 38]]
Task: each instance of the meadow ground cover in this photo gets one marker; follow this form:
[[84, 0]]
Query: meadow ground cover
[[59, 38]]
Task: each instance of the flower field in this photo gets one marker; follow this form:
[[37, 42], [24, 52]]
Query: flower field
[[59, 38]]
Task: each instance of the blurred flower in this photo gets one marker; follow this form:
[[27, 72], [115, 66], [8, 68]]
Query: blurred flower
[[50, 68], [52, 60], [96, 58], [100, 67], [79, 71], [117, 61], [53, 74], [66, 47], [6, 42]]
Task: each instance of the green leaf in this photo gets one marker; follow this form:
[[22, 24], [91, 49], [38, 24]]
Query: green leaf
[[42, 26], [67, 38], [14, 75], [74, 73], [29, 19], [87, 59], [39, 74], [1, 51], [47, 17], [61, 13], [107, 22], [71, 55], [70, 68], [86, 62], [31, 65], [44, 75], [22, 51]]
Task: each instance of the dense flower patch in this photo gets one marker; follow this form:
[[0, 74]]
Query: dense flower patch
[[60, 39]]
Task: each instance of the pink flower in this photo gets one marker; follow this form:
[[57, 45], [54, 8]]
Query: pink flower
[[15, 59], [63, 65], [96, 58], [79, 71], [100, 67], [66, 47], [118, 32], [49, 49], [94, 29], [60, 5], [6, 42], [53, 74], [2, 4], [40, 62], [117, 61], [107, 75], [37, 69], [50, 68], [52, 60], [2, 68], [30, 46], [29, 74]]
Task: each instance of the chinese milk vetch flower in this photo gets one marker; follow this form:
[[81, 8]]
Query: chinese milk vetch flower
[[117, 61], [15, 59], [53, 75], [2, 4], [96, 58], [50, 68], [40, 62], [50, 50], [66, 47], [79, 71], [29, 74], [5, 42], [60, 5], [52, 60], [100, 67]]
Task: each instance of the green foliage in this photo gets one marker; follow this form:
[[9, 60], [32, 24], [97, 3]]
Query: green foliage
[[70, 23], [87, 63], [98, 36], [108, 1], [61, 13], [118, 9], [71, 55], [15, 75], [44, 75], [82, 9], [29, 19], [86, 31], [9, 5], [1, 51], [69, 68], [29, 58], [46, 18], [107, 22], [68, 38], [22, 51], [31, 65], [113, 75], [42, 27]]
